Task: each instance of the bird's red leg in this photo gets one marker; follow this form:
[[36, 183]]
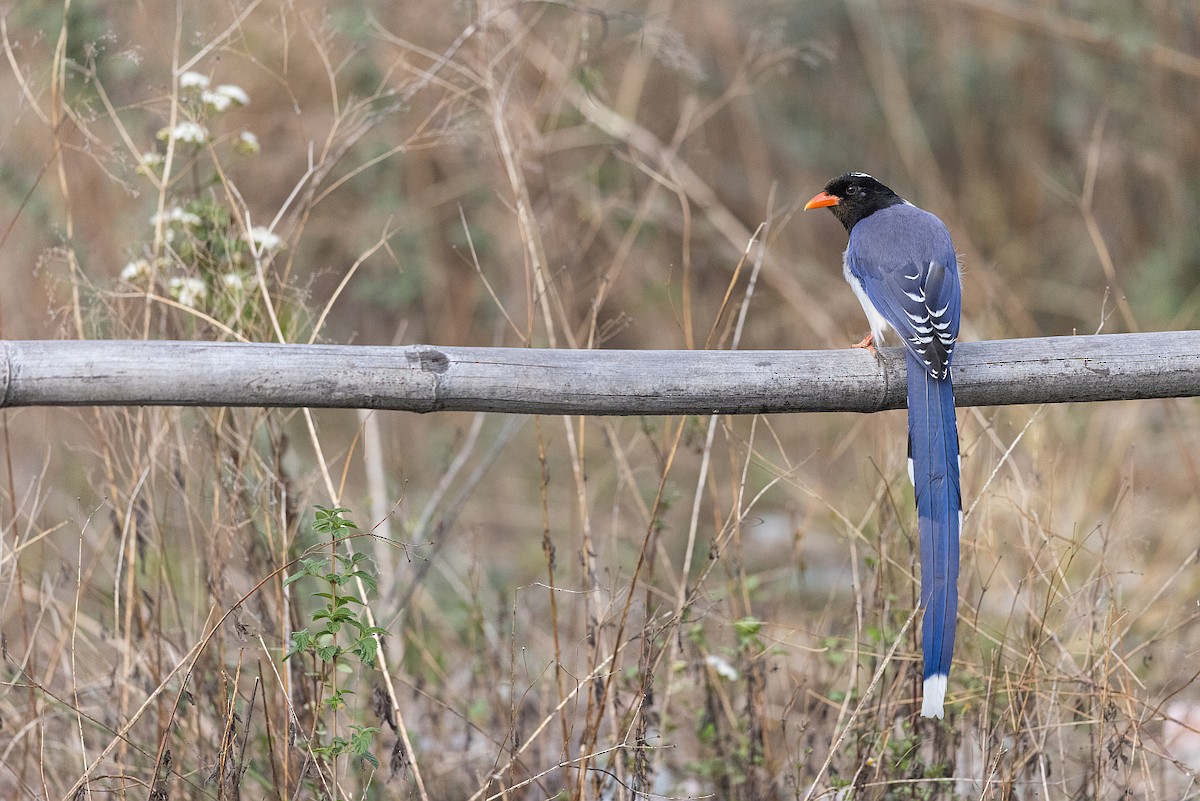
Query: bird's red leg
[[868, 343]]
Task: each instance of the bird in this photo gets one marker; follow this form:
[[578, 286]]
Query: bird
[[901, 264]]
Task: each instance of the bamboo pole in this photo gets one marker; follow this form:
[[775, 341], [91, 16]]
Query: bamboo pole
[[426, 378]]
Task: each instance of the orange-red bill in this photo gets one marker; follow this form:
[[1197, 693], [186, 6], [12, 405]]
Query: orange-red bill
[[821, 201]]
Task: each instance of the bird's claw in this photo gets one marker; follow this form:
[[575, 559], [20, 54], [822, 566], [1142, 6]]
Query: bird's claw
[[867, 344]]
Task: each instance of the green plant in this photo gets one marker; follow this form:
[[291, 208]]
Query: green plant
[[343, 636]]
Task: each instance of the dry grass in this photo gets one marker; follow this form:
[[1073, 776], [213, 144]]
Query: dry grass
[[591, 608]]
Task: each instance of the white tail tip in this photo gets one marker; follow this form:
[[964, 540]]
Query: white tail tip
[[935, 697]]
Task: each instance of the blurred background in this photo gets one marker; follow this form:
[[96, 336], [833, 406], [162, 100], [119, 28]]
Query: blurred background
[[591, 608]]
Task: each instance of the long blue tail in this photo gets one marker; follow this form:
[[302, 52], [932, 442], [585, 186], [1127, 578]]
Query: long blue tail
[[933, 466]]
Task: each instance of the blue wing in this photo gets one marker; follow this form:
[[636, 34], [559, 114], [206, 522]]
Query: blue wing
[[904, 262]]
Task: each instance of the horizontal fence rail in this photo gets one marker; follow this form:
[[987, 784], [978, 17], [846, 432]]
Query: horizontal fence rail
[[426, 378]]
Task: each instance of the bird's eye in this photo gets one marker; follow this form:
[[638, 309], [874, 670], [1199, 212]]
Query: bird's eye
[[852, 190]]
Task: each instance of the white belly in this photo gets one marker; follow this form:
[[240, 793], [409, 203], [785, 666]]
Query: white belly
[[879, 326]]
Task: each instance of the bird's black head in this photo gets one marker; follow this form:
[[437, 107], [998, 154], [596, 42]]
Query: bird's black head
[[853, 197]]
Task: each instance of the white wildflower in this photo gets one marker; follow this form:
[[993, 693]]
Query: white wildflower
[[188, 132], [264, 239], [247, 144], [234, 282], [216, 102], [149, 161], [136, 270], [193, 80], [176, 214], [722, 667], [188, 291], [233, 93]]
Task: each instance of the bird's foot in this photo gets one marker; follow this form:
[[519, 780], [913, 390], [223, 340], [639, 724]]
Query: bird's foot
[[867, 344]]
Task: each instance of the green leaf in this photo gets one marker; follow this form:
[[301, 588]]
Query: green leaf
[[334, 615], [308, 567], [362, 738], [366, 651], [367, 579], [747, 630], [335, 702], [302, 641], [330, 521]]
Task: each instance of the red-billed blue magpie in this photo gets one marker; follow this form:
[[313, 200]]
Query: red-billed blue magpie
[[901, 264]]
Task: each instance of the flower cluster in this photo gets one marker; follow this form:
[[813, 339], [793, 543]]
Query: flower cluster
[[225, 96], [188, 132], [137, 271], [209, 255], [187, 290], [264, 239], [202, 103], [176, 215]]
